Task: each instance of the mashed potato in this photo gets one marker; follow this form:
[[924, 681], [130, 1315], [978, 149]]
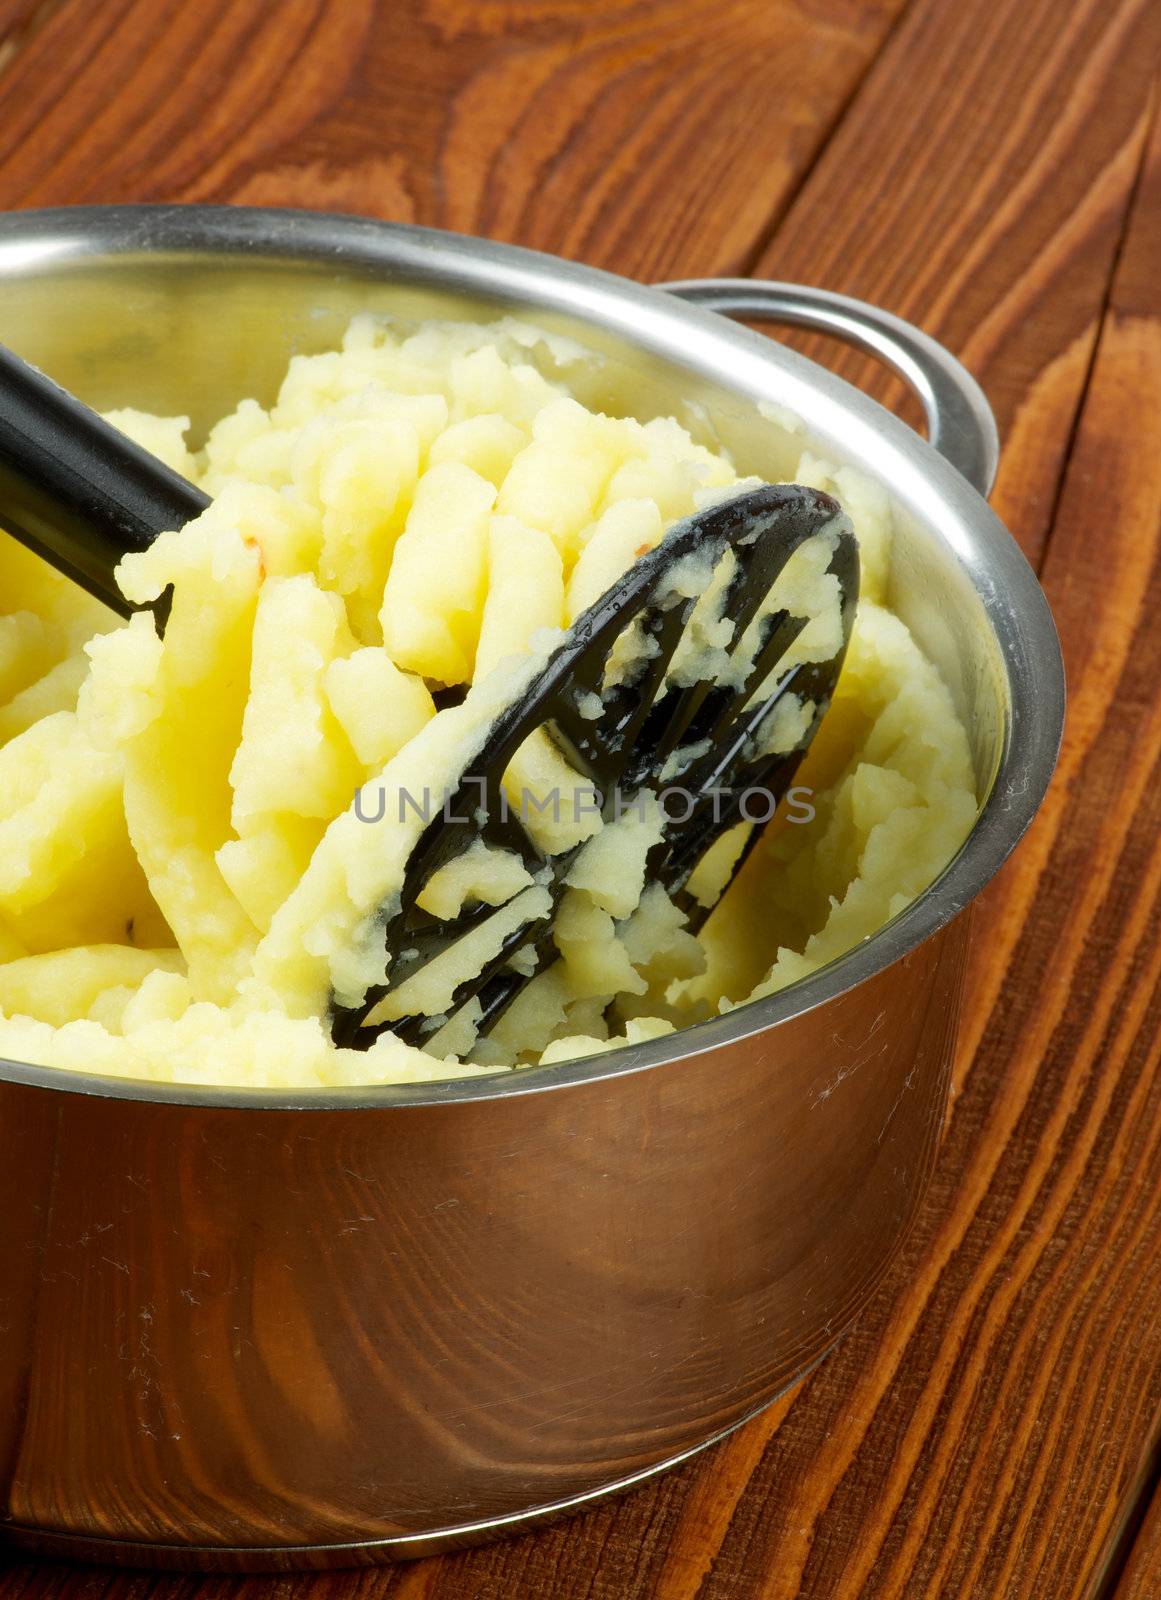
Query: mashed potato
[[185, 880]]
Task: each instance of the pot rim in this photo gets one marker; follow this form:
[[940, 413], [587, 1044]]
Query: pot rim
[[1008, 589]]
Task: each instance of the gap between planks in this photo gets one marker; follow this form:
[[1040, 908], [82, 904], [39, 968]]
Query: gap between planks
[[1106, 309], [785, 202]]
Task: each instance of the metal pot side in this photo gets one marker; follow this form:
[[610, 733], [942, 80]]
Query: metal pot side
[[257, 1331]]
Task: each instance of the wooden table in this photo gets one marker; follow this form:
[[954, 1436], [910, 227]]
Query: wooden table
[[992, 169]]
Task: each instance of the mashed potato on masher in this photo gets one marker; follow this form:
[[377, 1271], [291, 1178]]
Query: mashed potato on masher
[[191, 862]]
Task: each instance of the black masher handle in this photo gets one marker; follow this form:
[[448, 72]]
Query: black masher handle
[[75, 489]]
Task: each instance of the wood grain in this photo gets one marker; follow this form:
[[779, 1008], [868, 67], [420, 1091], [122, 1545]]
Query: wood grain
[[1141, 1577], [978, 187], [634, 133], [977, 1432], [20, 22]]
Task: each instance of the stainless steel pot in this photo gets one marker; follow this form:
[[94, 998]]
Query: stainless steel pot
[[257, 1330]]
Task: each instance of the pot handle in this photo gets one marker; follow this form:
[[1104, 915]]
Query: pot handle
[[960, 423]]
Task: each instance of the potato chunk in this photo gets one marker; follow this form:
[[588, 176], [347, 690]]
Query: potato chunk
[[487, 444], [67, 872], [557, 483], [178, 798], [59, 797], [525, 592], [293, 755], [434, 597], [621, 535], [67, 984], [378, 707]]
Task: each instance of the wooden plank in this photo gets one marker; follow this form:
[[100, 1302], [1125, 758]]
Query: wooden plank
[[976, 1438], [636, 134], [978, 187], [969, 1433], [1010, 1389]]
